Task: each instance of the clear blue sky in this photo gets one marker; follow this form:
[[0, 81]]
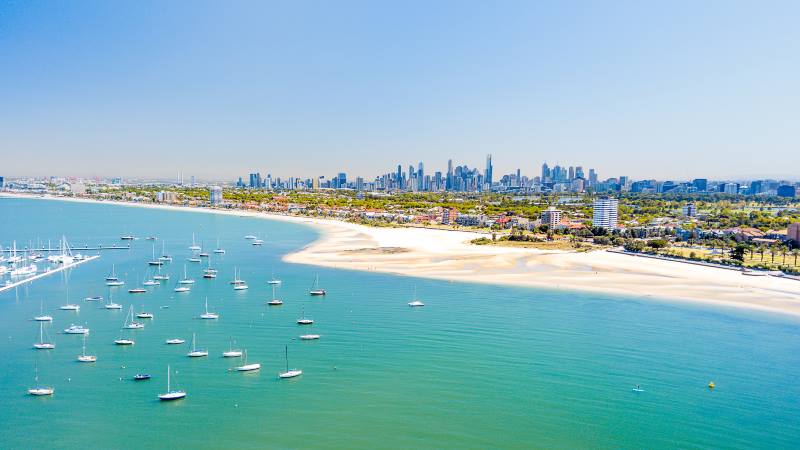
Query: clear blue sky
[[218, 89]]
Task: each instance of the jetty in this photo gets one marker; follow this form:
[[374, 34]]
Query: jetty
[[84, 248], [12, 284]]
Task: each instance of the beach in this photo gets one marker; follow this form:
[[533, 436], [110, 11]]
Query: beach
[[448, 255]]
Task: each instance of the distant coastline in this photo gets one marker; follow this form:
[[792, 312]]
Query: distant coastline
[[448, 255]]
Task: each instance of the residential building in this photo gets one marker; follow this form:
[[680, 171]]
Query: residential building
[[690, 210], [551, 217], [215, 195], [449, 216], [605, 212]]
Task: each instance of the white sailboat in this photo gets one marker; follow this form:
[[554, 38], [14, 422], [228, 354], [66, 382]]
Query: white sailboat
[[194, 246], [209, 315], [232, 353], [274, 280], [42, 317], [289, 373], [111, 304], [274, 301], [170, 394], [40, 390], [250, 237], [219, 250], [196, 352], [112, 279], [43, 344], [185, 279], [175, 341], [122, 340], [315, 289], [238, 283], [131, 324], [144, 314], [303, 320], [164, 256], [415, 302], [83, 357], [248, 367], [161, 277], [155, 261], [209, 272]]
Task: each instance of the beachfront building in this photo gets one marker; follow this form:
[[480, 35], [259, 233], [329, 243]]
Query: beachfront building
[[167, 197], [449, 216], [605, 212], [215, 195], [551, 217]]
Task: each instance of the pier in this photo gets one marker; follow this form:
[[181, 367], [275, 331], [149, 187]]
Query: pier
[[85, 248], [9, 286]]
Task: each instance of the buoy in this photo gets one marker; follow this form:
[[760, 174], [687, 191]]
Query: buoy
[[711, 385]]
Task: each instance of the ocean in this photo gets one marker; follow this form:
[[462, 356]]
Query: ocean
[[480, 366]]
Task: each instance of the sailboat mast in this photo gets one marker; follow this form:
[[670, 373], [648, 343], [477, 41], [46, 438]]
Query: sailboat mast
[[287, 357]]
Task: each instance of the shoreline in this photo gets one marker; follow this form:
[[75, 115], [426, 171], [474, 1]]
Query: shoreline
[[448, 255]]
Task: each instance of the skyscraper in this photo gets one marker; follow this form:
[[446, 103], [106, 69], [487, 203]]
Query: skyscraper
[[421, 177], [341, 181], [545, 173], [487, 177], [449, 180]]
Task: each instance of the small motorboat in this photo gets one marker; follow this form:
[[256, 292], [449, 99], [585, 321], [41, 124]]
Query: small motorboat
[[141, 377]]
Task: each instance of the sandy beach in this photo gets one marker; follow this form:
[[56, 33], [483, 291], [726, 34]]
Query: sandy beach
[[448, 255]]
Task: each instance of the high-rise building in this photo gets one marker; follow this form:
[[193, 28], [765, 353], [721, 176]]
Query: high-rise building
[[786, 190], [545, 173], [215, 195], [579, 172], [605, 212], [592, 177], [701, 184], [341, 180], [487, 177], [2, 182], [421, 177], [571, 175], [690, 210]]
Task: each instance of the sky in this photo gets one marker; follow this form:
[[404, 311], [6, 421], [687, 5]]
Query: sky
[[666, 90]]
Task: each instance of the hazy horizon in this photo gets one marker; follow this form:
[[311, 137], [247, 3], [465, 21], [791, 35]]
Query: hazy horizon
[[147, 89]]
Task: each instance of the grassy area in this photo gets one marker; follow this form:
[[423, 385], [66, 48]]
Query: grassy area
[[564, 245]]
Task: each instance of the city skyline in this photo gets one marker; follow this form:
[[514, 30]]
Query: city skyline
[[148, 89]]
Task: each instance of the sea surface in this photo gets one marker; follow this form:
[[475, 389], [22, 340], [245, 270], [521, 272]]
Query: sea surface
[[479, 366]]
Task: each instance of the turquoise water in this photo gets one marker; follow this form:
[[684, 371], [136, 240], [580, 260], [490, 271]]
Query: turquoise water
[[478, 367]]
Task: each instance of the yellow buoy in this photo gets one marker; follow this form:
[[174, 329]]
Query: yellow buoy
[[711, 385]]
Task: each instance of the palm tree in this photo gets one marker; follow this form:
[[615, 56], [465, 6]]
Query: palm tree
[[784, 251], [761, 250], [795, 253]]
